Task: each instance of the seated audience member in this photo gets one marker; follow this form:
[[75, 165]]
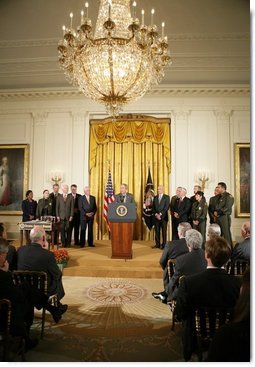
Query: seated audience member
[[231, 343], [44, 206], [35, 257], [172, 250], [12, 253], [188, 264], [199, 214], [242, 250], [213, 231], [23, 299], [211, 288]]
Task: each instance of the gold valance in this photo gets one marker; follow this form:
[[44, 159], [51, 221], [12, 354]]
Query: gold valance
[[135, 130]]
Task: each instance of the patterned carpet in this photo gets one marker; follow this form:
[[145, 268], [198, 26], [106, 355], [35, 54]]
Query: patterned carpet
[[110, 319]]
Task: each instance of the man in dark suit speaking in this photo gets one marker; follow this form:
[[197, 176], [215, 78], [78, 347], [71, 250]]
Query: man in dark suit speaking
[[87, 206], [124, 196]]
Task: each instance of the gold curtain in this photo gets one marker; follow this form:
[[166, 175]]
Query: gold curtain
[[127, 147]]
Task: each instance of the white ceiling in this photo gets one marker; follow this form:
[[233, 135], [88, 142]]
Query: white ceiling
[[209, 40]]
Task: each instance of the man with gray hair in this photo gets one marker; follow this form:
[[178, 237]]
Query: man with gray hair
[[172, 250], [188, 264], [88, 208], [36, 257], [213, 231]]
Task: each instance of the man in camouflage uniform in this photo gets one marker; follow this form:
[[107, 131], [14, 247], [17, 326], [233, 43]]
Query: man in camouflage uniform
[[222, 211]]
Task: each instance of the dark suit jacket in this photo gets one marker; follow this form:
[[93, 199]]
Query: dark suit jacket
[[242, 250], [86, 207], [28, 208], [54, 202], [64, 210], [161, 207], [171, 251], [34, 257], [211, 288], [188, 264], [76, 211], [129, 198], [183, 210]]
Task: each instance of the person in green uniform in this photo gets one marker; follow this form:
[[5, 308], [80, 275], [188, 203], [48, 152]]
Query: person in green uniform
[[44, 207], [222, 211], [211, 206], [199, 214]]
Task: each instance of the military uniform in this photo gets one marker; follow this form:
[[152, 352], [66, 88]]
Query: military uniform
[[211, 208], [223, 207], [199, 212]]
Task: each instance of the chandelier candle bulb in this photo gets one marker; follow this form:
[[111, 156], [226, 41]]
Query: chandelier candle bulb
[[82, 13], [71, 20], [87, 10], [134, 10], [163, 28], [142, 17], [64, 29], [152, 14]]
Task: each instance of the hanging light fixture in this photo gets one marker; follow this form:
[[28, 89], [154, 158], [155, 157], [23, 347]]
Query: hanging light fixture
[[123, 59]]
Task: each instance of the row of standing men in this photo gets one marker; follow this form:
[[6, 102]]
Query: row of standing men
[[193, 210]]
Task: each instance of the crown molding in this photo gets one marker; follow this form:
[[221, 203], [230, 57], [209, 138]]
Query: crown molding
[[159, 91]]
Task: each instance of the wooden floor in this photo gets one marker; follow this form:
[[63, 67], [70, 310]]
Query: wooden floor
[[97, 262]]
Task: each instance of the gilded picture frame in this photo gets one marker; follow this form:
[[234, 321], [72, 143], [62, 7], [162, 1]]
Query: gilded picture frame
[[14, 166], [242, 180]]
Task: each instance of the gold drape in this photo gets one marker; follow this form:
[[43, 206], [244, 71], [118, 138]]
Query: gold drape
[[127, 146]]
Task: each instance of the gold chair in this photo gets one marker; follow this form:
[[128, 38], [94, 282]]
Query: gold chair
[[37, 279], [8, 342], [170, 268], [172, 305], [237, 267], [207, 321]]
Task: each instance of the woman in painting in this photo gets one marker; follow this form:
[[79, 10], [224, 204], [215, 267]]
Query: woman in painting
[[5, 197]]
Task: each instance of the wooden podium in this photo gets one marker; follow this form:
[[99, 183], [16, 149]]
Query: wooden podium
[[122, 217]]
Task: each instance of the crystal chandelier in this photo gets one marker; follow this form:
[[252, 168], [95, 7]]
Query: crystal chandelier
[[123, 59]]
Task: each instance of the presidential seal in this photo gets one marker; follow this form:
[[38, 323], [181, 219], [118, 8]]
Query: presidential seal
[[121, 210]]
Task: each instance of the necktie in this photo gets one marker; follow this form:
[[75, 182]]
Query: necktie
[[160, 197], [65, 198], [180, 202], [87, 198]]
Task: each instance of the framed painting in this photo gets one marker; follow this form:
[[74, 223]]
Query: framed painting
[[242, 180], [14, 163]]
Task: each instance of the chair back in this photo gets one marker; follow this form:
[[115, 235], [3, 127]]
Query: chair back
[[237, 267], [5, 317], [171, 267], [37, 279], [207, 321]]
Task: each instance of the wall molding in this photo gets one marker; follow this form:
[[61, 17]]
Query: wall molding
[[162, 90]]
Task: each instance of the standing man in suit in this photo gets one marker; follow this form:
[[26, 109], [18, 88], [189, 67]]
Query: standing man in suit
[[75, 223], [210, 288], [64, 212], [182, 207], [124, 196], [161, 204], [53, 197], [174, 221], [88, 208]]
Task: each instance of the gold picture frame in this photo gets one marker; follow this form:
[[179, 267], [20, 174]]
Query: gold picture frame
[[242, 180], [14, 166]]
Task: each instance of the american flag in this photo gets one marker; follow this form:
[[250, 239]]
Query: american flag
[[108, 197]]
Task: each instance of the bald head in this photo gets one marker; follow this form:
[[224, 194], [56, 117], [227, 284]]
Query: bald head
[[38, 235], [246, 229]]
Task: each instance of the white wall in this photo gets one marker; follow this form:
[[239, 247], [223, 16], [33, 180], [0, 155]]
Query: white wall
[[204, 129]]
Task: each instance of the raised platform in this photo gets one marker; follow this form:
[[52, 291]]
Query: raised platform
[[97, 262]]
